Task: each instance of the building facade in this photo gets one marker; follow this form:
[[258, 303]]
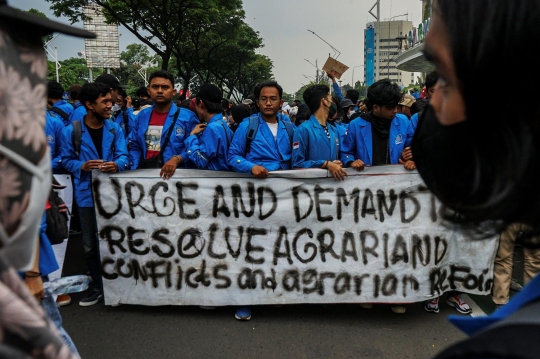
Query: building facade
[[379, 63]]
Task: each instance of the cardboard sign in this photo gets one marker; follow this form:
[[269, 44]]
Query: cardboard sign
[[224, 238], [334, 67]]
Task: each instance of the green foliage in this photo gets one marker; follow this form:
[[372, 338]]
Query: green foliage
[[72, 71], [204, 38]]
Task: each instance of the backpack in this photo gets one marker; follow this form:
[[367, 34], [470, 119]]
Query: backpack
[[62, 114], [57, 219], [254, 127]]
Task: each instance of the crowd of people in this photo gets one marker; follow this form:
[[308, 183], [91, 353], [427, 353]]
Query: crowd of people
[[331, 131], [328, 131]]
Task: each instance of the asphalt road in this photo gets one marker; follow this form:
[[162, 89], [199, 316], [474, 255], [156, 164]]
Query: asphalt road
[[297, 331]]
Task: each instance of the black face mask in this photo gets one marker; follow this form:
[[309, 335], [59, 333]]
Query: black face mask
[[445, 158], [333, 110]]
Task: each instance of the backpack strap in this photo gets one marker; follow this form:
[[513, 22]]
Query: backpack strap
[[76, 137], [126, 121], [252, 132], [58, 111], [290, 131], [168, 136], [226, 135]]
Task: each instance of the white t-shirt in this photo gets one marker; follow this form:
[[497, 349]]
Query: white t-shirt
[[273, 128]]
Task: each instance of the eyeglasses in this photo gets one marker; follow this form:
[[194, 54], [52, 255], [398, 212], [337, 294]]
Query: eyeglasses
[[266, 99]]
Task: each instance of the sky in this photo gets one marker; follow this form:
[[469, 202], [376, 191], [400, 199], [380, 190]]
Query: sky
[[284, 24]]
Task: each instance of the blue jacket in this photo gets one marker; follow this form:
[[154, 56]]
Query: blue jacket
[[119, 119], [337, 90], [265, 150], [414, 122], [113, 149], [53, 130], [358, 142], [209, 149], [182, 128], [77, 114], [66, 107], [311, 146], [47, 259]]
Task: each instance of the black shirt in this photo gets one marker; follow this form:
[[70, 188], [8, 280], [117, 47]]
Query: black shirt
[[97, 138], [380, 148], [380, 130]]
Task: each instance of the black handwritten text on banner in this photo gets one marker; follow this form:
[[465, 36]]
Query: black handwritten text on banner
[[215, 238]]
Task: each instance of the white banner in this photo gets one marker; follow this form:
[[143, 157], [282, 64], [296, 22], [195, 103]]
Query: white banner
[[223, 238]]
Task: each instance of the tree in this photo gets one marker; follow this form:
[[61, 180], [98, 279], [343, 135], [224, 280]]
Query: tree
[[33, 11], [206, 37], [135, 54], [72, 71]]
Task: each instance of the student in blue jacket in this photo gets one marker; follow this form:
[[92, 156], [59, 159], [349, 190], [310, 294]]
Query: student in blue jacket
[[161, 125], [57, 106], [208, 144], [123, 112], [379, 136], [53, 130], [316, 143], [271, 147], [78, 109], [102, 147]]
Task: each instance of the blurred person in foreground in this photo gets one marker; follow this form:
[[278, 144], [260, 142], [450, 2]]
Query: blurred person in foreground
[[497, 148], [25, 182]]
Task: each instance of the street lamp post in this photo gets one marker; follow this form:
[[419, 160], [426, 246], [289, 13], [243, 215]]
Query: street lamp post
[[388, 57], [317, 67], [352, 79]]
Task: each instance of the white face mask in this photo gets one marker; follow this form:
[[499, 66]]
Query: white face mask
[[351, 112], [19, 248], [116, 108]]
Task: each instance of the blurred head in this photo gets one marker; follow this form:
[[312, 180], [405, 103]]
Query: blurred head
[[96, 98], [55, 92], [497, 148], [383, 97], [142, 93], [239, 113], [431, 81], [161, 87], [353, 95], [208, 101], [113, 84], [74, 92], [268, 95]]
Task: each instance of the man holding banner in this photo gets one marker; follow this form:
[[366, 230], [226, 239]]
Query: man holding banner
[[97, 144], [316, 145], [263, 145]]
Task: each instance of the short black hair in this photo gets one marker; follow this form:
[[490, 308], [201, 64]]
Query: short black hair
[[384, 93], [431, 79], [211, 107], [353, 95], [122, 93], [142, 91], [161, 74], [257, 90], [55, 90], [92, 91], [337, 101], [313, 95]]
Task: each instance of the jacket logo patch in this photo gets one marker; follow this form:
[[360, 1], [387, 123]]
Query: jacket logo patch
[[295, 145], [399, 139], [50, 138], [179, 132]]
